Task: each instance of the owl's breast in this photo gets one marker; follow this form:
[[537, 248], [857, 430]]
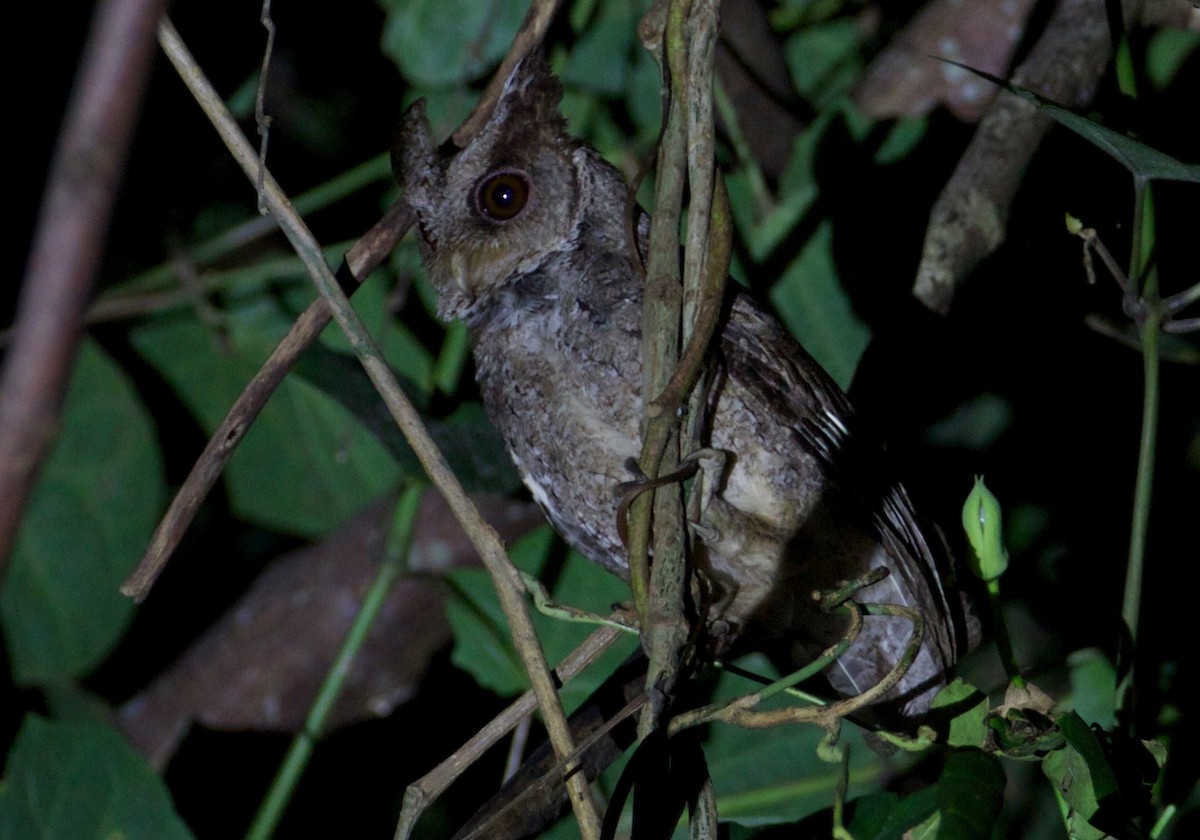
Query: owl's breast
[[561, 386]]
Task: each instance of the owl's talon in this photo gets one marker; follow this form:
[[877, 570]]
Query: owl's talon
[[705, 532], [711, 465]]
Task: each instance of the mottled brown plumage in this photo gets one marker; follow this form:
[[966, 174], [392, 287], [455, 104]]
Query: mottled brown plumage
[[526, 237]]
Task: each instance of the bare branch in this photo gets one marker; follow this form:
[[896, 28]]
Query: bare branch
[[69, 243]]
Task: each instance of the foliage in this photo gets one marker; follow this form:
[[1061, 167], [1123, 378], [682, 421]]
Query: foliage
[[1013, 388]]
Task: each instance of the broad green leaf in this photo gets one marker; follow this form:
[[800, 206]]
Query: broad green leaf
[[307, 463], [970, 794], [1068, 772], [1105, 780], [1084, 741], [1141, 160], [88, 520], [887, 816], [483, 646], [73, 781], [442, 43], [969, 706], [810, 300]]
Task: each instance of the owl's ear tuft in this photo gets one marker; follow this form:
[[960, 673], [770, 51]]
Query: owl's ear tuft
[[531, 96], [415, 163]]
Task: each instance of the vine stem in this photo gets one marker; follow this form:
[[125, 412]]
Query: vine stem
[[504, 575], [1150, 322], [394, 563]]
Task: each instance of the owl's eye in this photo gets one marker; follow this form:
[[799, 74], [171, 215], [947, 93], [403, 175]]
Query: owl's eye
[[501, 196]]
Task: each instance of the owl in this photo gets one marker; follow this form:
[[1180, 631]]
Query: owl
[[526, 235]]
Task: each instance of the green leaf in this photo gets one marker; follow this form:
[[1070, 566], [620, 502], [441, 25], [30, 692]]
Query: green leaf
[[82, 781], [887, 816], [824, 60], [442, 43], [1093, 687], [1165, 53], [970, 794], [307, 463], [1068, 772], [969, 707], [89, 518], [976, 424], [1084, 741], [810, 300], [983, 526], [1141, 160], [599, 62]]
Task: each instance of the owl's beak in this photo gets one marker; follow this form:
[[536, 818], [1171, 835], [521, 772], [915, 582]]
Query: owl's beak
[[460, 274]]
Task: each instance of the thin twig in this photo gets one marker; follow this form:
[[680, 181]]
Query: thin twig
[[262, 120], [429, 787], [504, 575], [68, 244], [968, 220], [742, 711]]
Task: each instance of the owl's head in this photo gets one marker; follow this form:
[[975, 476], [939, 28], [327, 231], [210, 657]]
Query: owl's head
[[496, 208]]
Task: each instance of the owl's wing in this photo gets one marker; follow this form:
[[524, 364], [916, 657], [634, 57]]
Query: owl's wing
[[767, 365]]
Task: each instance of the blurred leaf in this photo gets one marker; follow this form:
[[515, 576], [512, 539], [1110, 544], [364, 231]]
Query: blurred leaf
[[89, 519], [970, 793], [441, 43], [69, 703], [824, 60], [1141, 160], [927, 830], [1024, 524], [643, 96], [887, 816], [763, 235], [600, 60], [904, 80], [814, 307], [976, 424], [1166, 51], [903, 137], [81, 781], [482, 644], [307, 463], [1093, 687]]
